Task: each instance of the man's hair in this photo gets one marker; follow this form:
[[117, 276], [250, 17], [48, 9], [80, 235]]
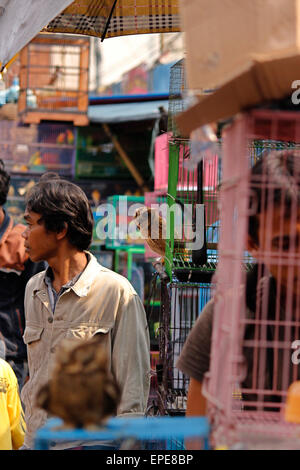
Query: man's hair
[[274, 179], [49, 175], [4, 183], [60, 202]]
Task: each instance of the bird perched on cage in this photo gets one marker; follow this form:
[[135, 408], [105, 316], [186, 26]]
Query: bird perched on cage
[[163, 120], [81, 391], [56, 75], [153, 228]]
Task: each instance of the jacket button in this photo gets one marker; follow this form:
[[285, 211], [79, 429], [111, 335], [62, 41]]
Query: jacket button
[[50, 319], [52, 350]]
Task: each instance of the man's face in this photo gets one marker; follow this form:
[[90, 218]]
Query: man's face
[[40, 244], [279, 246]]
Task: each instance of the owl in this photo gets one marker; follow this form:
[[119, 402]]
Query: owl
[[81, 391]]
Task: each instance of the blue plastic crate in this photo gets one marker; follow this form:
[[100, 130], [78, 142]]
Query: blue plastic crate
[[160, 433]]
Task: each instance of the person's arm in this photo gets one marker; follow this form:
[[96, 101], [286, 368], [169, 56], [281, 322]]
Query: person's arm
[[194, 361], [131, 357], [15, 413], [196, 402], [196, 406]]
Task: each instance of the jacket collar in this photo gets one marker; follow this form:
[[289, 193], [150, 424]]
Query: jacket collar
[[85, 281]]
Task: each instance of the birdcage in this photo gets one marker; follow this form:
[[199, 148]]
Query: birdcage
[[161, 162], [54, 75], [256, 316], [180, 304], [159, 433], [36, 148], [186, 302], [192, 198], [182, 294]]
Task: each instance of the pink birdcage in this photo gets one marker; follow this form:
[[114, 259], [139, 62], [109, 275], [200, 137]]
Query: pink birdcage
[[161, 164], [255, 331]]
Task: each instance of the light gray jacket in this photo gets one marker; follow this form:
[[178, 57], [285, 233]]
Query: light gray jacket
[[101, 301]]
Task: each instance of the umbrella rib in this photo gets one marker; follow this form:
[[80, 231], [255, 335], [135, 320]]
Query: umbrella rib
[[108, 21]]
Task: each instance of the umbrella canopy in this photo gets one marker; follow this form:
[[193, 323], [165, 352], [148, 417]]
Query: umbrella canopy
[[110, 18], [20, 21]]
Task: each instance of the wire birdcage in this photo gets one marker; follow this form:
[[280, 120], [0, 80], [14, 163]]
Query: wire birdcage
[[256, 315], [186, 303], [54, 74], [192, 198], [180, 306], [181, 297]]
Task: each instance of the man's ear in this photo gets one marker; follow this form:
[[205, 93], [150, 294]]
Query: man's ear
[[60, 235]]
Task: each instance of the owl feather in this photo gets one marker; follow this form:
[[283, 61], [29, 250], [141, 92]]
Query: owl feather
[[81, 391]]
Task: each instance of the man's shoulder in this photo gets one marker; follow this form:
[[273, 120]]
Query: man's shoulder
[[35, 280], [203, 324], [114, 279], [207, 313], [104, 276]]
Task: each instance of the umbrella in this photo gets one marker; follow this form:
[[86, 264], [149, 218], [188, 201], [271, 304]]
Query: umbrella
[[110, 18], [20, 21]]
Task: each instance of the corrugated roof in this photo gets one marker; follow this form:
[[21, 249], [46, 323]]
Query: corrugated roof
[[122, 112]]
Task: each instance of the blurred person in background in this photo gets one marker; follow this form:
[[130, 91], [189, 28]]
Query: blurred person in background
[[275, 192], [12, 424], [15, 270]]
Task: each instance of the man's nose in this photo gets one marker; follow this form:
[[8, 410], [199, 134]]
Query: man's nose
[[24, 234]]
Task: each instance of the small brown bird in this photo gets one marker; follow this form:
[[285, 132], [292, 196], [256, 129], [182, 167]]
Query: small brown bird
[[153, 228], [154, 231], [81, 391]]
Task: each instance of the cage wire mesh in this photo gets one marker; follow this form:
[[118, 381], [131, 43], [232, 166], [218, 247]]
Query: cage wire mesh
[[189, 187], [54, 74], [180, 306], [254, 356], [187, 302]]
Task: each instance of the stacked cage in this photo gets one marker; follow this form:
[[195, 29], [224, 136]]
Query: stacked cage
[[54, 79], [192, 194], [34, 149], [29, 151], [189, 263], [256, 314]]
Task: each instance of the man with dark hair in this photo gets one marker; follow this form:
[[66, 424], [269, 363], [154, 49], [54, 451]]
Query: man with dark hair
[[15, 270], [272, 284], [77, 298]]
